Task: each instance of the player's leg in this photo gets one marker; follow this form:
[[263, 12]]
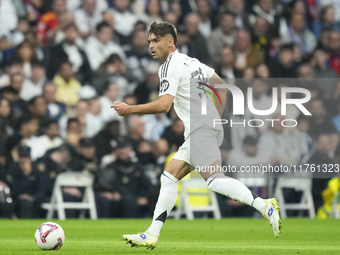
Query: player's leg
[[205, 153], [236, 190], [174, 172]]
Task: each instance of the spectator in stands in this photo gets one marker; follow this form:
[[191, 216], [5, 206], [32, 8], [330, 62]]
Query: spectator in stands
[[246, 54], [17, 82], [323, 72], [138, 57], [25, 53], [38, 109], [8, 16], [197, 41], [266, 10], [334, 51], [112, 70], [206, 18], [225, 68], [300, 34], [73, 132], [106, 139], [320, 123], [55, 110], [6, 205], [237, 8], [141, 146], [48, 140], [172, 18], [32, 38], [34, 86], [284, 67], [33, 8], [12, 67], [319, 158], [261, 35], [94, 121], [5, 117], [99, 48], [87, 18], [68, 50], [148, 90], [67, 85], [249, 155], [65, 19], [174, 136], [87, 155], [111, 94], [26, 136], [300, 134], [326, 20], [19, 106], [17, 36], [56, 161], [223, 35], [153, 12], [155, 126], [125, 177], [124, 20], [47, 26], [183, 41], [25, 177], [278, 145], [262, 71]]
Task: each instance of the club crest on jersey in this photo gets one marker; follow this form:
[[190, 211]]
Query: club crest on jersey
[[164, 86]]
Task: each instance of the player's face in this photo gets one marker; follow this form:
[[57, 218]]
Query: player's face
[[159, 46]]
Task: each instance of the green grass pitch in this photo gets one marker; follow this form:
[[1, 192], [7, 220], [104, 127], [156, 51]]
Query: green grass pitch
[[227, 236]]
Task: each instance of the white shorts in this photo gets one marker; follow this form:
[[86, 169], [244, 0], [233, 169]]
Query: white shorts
[[202, 147]]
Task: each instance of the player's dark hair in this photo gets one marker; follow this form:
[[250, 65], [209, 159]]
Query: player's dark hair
[[163, 28]]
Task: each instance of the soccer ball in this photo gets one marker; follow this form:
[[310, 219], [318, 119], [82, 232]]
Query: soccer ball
[[49, 236]]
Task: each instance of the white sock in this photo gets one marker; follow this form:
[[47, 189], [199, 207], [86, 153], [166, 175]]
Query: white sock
[[166, 201], [236, 190]]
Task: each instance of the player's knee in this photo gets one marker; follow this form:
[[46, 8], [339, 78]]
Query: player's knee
[[215, 181]]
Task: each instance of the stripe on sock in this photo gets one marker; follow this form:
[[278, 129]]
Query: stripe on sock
[[162, 217]]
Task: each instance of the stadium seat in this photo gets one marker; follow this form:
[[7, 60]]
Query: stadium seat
[[298, 184], [196, 187], [71, 179], [335, 205]]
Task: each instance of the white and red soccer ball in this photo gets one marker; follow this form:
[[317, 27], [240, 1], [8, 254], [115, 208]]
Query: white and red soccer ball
[[49, 236]]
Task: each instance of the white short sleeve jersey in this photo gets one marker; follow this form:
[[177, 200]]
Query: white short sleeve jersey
[[175, 76]]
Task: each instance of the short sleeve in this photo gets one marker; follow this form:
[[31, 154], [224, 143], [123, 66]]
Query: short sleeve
[[208, 70], [169, 81]]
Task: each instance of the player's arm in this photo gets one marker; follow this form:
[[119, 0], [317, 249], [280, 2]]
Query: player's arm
[[222, 92], [162, 105]]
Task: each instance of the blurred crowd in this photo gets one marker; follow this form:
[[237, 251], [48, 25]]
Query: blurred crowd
[[64, 62]]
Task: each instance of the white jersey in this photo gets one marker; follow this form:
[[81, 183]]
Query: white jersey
[[175, 76]]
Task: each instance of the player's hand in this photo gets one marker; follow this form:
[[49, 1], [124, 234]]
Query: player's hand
[[122, 108]]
